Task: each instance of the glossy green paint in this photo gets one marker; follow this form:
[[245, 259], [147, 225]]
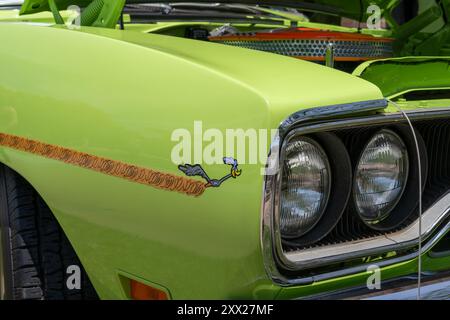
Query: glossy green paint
[[395, 76], [41, 17], [35, 6], [407, 268], [434, 36], [120, 94]]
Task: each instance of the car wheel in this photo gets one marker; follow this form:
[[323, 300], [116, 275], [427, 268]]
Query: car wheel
[[35, 254]]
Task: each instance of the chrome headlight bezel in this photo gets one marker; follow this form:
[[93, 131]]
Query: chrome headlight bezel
[[283, 258]]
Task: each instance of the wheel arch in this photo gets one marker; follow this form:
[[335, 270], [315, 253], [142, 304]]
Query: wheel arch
[[66, 251]]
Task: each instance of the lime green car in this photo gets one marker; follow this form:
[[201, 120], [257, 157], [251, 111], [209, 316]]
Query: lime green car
[[236, 150]]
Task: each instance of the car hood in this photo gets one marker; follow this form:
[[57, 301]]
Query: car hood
[[285, 84], [349, 8]]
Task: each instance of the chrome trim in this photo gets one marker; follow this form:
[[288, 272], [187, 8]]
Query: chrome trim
[[390, 286], [435, 291], [401, 239], [331, 111], [295, 261], [329, 55]]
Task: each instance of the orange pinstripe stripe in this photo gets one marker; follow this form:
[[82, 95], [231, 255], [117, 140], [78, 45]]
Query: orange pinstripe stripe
[[153, 178]]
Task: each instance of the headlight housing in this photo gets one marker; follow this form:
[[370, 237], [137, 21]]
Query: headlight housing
[[380, 176], [305, 187], [341, 240]]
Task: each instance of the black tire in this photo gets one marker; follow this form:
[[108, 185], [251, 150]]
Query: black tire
[[34, 250]]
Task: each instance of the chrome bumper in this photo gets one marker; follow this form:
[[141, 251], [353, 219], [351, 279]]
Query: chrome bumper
[[434, 291]]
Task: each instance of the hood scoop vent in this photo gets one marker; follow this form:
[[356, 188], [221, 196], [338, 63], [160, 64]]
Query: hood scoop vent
[[311, 44]]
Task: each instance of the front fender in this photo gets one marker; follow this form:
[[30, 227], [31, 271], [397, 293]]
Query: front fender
[[121, 100]]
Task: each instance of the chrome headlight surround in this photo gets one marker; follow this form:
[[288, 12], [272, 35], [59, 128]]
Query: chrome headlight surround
[[277, 261]]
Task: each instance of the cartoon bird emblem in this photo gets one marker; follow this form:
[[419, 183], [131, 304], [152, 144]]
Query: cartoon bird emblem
[[235, 172], [197, 170]]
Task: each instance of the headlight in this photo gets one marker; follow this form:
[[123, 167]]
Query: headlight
[[305, 186], [380, 176]]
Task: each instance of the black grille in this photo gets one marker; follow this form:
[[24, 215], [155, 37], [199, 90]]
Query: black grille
[[436, 135], [437, 140]]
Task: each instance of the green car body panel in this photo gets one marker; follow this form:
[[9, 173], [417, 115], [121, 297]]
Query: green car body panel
[[119, 95], [40, 17]]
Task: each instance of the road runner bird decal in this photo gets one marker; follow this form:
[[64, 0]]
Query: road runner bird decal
[[197, 170]]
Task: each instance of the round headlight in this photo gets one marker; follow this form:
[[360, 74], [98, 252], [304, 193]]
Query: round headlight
[[305, 186], [380, 176]]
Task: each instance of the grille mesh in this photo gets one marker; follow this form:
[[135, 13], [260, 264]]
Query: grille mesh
[[437, 139], [317, 48]]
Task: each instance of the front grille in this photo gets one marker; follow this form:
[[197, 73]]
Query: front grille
[[437, 139], [436, 135]]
